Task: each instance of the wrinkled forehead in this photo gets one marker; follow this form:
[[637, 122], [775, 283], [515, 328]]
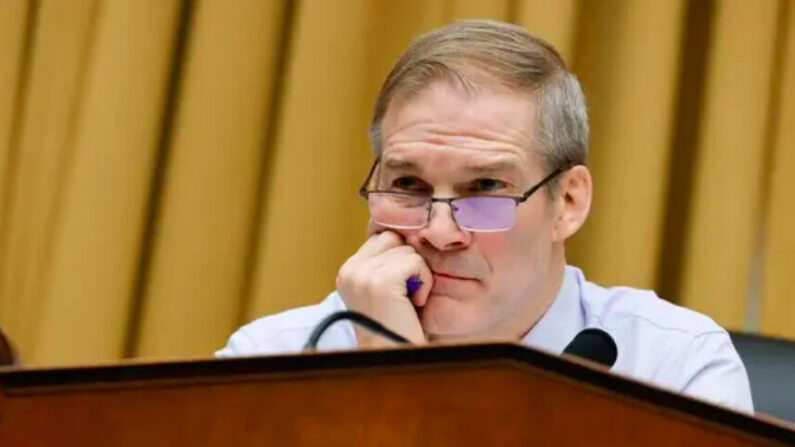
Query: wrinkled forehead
[[444, 127], [486, 106], [434, 160]]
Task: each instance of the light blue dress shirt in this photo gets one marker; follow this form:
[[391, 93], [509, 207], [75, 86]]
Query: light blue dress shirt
[[658, 342]]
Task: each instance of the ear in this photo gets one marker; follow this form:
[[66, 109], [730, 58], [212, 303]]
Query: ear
[[573, 201]]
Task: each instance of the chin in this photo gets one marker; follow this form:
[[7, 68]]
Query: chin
[[444, 317]]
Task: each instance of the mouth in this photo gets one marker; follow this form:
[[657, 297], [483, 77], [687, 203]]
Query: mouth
[[450, 276]]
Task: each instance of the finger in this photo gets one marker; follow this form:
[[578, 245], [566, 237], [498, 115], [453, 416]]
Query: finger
[[379, 243], [357, 271], [374, 227], [401, 264], [423, 272], [392, 256]]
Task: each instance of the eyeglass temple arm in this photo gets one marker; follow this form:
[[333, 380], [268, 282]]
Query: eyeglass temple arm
[[543, 182], [363, 188]]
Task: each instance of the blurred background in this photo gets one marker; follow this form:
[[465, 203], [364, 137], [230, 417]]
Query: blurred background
[[171, 169]]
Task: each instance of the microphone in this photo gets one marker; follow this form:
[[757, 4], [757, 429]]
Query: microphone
[[412, 285], [354, 317], [595, 345]]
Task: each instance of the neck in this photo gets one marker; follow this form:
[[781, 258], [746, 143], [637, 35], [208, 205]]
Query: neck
[[543, 301]]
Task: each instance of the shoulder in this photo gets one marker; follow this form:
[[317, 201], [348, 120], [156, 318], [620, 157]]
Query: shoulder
[[670, 345], [619, 307], [286, 332]]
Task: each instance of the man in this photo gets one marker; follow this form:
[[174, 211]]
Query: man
[[480, 137]]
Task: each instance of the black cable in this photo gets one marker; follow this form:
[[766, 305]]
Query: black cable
[[355, 317]]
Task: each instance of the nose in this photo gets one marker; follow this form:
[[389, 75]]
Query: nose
[[442, 231]]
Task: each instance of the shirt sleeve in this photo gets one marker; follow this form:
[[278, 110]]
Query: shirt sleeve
[[714, 372], [239, 344]]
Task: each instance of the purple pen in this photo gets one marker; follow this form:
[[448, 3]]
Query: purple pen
[[413, 284]]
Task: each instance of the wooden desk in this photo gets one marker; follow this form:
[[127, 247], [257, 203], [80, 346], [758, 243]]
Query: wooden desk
[[491, 394]]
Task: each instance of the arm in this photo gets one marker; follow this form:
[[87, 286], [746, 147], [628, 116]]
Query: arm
[[714, 372]]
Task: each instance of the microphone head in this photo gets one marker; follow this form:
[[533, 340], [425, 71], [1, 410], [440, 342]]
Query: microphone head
[[595, 345]]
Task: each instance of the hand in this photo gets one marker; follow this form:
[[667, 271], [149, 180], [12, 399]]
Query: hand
[[373, 282]]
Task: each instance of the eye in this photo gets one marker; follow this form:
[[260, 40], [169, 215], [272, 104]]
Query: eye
[[412, 184], [487, 185]]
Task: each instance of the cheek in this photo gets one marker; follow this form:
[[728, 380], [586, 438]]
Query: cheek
[[494, 246], [516, 250], [504, 252]]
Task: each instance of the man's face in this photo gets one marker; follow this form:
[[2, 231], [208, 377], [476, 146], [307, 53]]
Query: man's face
[[449, 143]]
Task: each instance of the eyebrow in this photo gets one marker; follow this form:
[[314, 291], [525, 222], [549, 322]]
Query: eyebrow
[[401, 164], [493, 167], [479, 168]]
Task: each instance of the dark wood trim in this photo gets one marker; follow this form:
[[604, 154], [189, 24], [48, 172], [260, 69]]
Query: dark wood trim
[[8, 355], [26, 381]]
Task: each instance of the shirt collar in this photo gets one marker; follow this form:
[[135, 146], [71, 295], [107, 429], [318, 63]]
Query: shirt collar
[[563, 320]]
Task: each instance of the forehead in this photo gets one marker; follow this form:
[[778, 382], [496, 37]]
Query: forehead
[[445, 124], [440, 165]]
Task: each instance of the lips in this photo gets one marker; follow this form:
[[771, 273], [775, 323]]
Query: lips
[[449, 275]]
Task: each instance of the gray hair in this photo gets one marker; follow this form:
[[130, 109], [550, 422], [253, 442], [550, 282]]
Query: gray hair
[[475, 53]]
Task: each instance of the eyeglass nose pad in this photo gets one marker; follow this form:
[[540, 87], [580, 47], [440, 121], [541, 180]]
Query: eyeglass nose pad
[[453, 209]]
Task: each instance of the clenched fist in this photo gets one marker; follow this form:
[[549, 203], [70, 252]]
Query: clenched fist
[[373, 282]]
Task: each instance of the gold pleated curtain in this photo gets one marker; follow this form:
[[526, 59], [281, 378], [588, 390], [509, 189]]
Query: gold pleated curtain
[[171, 169]]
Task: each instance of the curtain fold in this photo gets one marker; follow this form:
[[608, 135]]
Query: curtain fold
[[171, 169], [42, 161], [553, 20], [316, 159], [197, 272], [14, 15], [623, 48], [777, 297], [721, 230], [95, 254]]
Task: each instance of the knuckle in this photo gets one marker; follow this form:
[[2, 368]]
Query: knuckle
[[344, 274], [407, 249], [358, 283], [376, 282], [391, 237], [417, 258], [339, 282]]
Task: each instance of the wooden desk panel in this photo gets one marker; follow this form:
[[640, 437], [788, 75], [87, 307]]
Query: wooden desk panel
[[466, 395]]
